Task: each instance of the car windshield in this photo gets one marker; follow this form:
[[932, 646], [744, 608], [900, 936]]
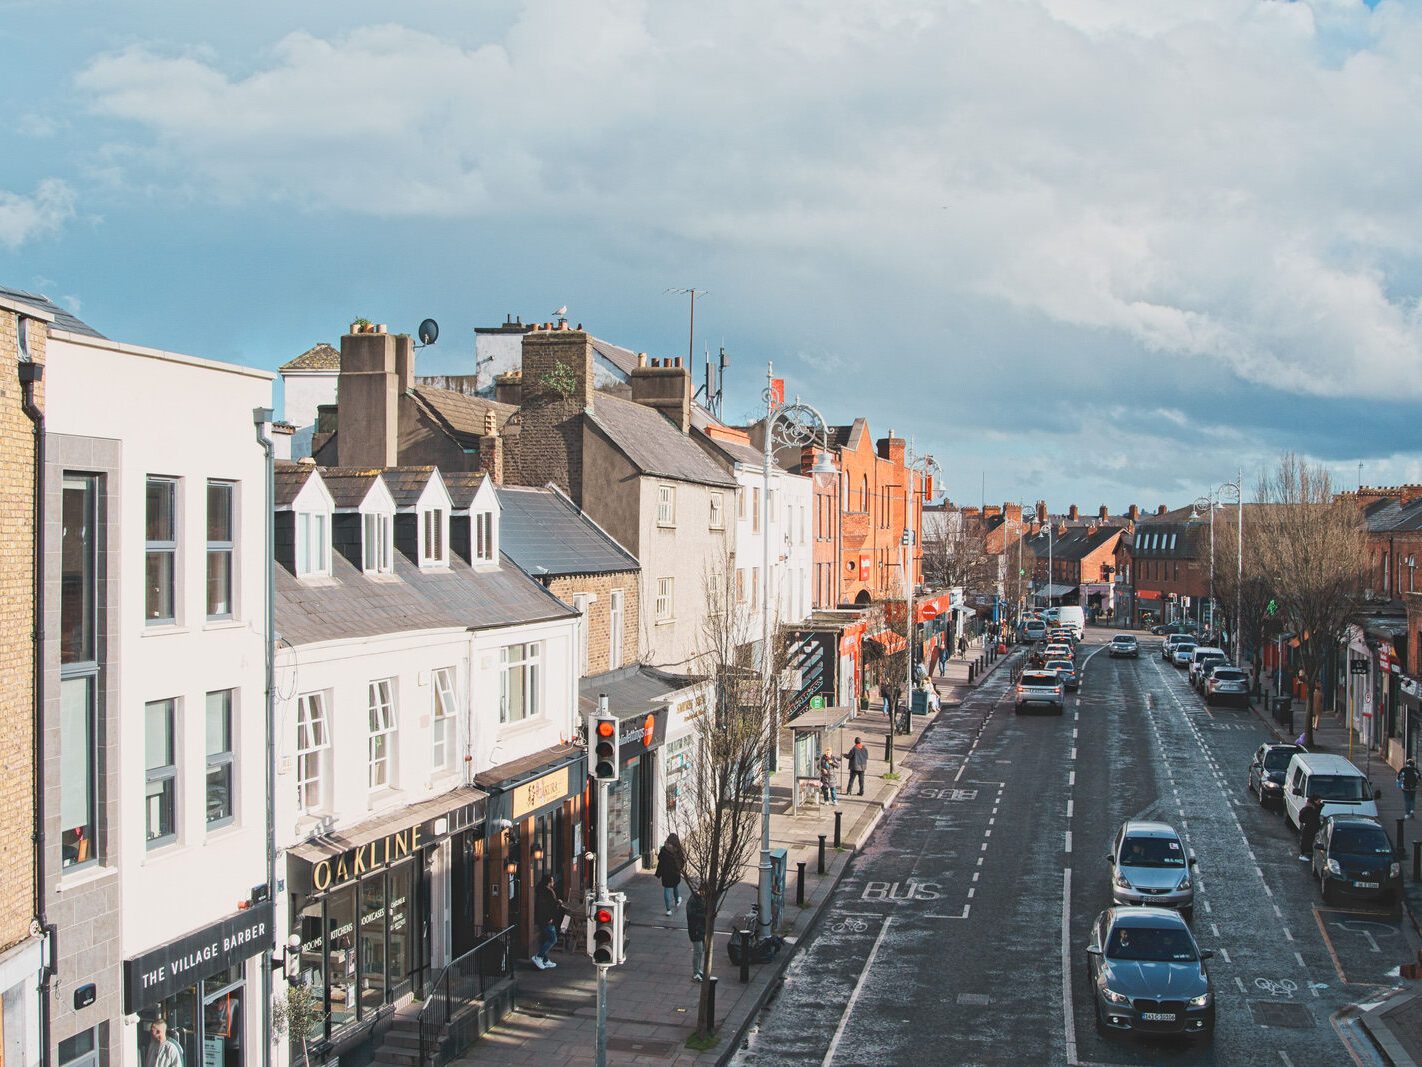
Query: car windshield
[[1123, 640], [1165, 944], [1361, 841], [1151, 852], [1184, 649], [1337, 787], [1277, 759], [1060, 665], [1230, 675], [1039, 679]]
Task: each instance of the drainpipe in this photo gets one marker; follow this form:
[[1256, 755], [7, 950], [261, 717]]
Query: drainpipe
[[261, 417], [31, 374]]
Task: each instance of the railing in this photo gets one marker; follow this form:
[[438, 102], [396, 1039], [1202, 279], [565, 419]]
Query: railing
[[459, 985]]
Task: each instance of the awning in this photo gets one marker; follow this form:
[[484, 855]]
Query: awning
[[819, 719], [888, 641], [524, 788], [1055, 591], [316, 849], [1147, 594]]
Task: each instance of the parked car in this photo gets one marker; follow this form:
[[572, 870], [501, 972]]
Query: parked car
[[1066, 671], [1353, 858], [1204, 655], [1226, 682], [1125, 645], [1149, 865], [1181, 653], [1148, 975], [1172, 628], [1266, 771], [1341, 786], [1040, 689], [1168, 645]]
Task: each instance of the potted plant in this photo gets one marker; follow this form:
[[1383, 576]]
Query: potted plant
[[297, 1013], [361, 326]]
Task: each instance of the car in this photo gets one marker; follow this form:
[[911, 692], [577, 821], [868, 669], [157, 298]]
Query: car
[[1171, 640], [1149, 865], [1226, 682], [1343, 788], [1266, 771], [1050, 615], [1060, 636], [1059, 651], [1125, 645], [1353, 858], [1073, 617], [1066, 671], [1181, 653], [1172, 628], [1201, 657], [1147, 974], [1040, 689], [1034, 629]]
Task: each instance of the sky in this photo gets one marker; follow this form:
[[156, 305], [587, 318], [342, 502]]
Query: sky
[[1092, 251]]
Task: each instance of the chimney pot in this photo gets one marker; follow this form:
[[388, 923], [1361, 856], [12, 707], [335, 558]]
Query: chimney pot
[[641, 359], [1073, 513], [1102, 513], [1161, 509]]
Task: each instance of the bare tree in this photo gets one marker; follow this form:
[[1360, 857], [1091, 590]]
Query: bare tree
[[955, 554], [1313, 553], [1249, 593], [719, 815]]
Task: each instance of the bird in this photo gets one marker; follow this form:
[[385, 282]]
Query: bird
[[562, 312]]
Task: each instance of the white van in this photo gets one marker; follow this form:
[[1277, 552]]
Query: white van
[[1073, 619], [1340, 785]]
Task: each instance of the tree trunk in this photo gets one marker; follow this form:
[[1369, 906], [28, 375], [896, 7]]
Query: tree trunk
[[1308, 714], [705, 1025]]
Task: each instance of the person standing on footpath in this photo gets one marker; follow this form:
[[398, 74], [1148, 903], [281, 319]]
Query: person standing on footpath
[[548, 912], [829, 788], [671, 862], [1407, 780], [1309, 820], [696, 930], [858, 764]]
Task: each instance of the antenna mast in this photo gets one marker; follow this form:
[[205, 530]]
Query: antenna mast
[[691, 336]]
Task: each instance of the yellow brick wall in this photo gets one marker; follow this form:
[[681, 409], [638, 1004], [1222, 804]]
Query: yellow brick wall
[[17, 544], [599, 616]]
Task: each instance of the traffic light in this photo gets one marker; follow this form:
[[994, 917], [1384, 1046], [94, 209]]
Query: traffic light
[[605, 930], [605, 766]]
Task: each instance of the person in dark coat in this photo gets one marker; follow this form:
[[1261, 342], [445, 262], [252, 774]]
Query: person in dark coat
[[1407, 780], [696, 930], [548, 912], [1309, 821], [858, 763], [671, 862]]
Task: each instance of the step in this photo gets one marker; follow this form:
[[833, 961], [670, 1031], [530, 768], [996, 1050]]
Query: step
[[403, 1057]]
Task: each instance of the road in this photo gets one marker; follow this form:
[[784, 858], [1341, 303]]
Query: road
[[958, 936]]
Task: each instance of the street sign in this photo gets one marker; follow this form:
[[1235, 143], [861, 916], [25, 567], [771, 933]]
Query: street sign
[[1357, 666]]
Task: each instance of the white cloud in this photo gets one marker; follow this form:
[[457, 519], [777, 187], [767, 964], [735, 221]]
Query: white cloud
[[25, 218]]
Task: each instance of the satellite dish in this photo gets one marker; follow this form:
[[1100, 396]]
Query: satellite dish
[[429, 332]]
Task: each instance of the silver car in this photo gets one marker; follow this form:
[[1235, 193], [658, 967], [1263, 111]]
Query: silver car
[[1181, 653], [1225, 682], [1149, 865]]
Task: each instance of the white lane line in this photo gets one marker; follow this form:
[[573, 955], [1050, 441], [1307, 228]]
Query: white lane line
[[1299, 956], [854, 996], [1071, 806], [1068, 1012], [992, 822], [984, 848], [987, 833], [1287, 935], [971, 891], [977, 875], [1071, 778], [1073, 753], [1214, 929], [1239, 983], [1224, 954], [1285, 1057], [1068, 842]]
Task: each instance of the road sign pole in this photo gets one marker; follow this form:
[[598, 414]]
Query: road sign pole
[[601, 894]]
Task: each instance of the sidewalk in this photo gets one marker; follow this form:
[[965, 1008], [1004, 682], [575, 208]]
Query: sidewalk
[[652, 1001]]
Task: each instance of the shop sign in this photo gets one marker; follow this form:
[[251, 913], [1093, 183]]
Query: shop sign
[[370, 857], [1412, 687], [181, 964], [642, 733], [535, 794]]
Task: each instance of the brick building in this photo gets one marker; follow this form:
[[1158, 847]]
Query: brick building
[[874, 492], [1164, 571], [1077, 565], [1394, 527]]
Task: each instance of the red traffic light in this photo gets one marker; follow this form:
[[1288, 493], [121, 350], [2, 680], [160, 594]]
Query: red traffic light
[[606, 728], [602, 915]]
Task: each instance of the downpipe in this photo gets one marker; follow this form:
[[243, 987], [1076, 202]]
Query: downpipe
[[261, 417]]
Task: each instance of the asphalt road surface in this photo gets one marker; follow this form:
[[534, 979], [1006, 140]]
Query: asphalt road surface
[[959, 934]]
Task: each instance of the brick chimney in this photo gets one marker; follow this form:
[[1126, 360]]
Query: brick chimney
[[1102, 514], [1410, 492], [1133, 512], [508, 387], [557, 390], [491, 449], [1061, 529], [991, 511], [1012, 512], [1073, 513], [1041, 511], [368, 401], [664, 385], [1161, 509]]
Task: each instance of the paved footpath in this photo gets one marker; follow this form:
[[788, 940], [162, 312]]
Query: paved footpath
[[652, 1001]]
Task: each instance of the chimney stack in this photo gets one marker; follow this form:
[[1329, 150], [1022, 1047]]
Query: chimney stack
[[1012, 512], [1161, 509], [508, 387], [664, 386], [1073, 513], [557, 391], [892, 448], [368, 401], [1133, 512], [1102, 513], [1041, 511]]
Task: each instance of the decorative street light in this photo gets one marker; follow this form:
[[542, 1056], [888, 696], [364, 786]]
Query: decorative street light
[[1212, 502], [906, 548], [799, 426]]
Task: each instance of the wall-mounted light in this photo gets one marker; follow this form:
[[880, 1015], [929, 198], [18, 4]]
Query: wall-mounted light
[[538, 852], [511, 866]]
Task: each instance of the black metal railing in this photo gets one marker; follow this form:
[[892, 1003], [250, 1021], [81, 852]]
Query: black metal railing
[[464, 982]]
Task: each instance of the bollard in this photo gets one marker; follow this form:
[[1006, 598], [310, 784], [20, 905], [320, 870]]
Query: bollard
[[889, 744], [1401, 845], [822, 853], [1417, 861], [711, 980], [746, 944], [800, 884], [838, 818], [970, 674]]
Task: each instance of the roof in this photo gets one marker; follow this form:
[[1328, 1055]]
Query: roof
[[1078, 543], [1393, 516], [462, 486], [407, 483], [544, 533], [289, 478], [653, 444], [1167, 540], [630, 690], [736, 451], [526, 767], [63, 319], [320, 356], [624, 359], [460, 415], [349, 485]]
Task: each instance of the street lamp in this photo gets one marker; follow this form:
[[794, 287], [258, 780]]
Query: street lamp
[[1200, 504], [1213, 501], [794, 425], [906, 547]]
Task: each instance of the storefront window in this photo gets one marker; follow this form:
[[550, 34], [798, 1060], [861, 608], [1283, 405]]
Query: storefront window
[[372, 943], [222, 1020], [341, 966], [204, 1024], [624, 809], [400, 958]]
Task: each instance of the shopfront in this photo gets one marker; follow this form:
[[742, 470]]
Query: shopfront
[[199, 989], [630, 802]]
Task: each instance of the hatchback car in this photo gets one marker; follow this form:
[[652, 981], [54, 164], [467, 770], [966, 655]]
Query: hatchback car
[[1040, 689], [1125, 645], [1034, 629], [1182, 652], [1266, 772], [1147, 974], [1226, 683], [1353, 858], [1058, 651], [1168, 645], [1066, 671], [1149, 865]]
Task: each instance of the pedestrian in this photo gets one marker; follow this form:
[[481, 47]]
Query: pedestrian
[[671, 862], [858, 764], [829, 788], [548, 912], [962, 644], [162, 1050], [1407, 780], [1309, 820], [943, 658], [696, 930]]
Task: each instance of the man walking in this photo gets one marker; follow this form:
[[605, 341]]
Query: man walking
[[1309, 820], [696, 930], [1407, 780], [858, 764]]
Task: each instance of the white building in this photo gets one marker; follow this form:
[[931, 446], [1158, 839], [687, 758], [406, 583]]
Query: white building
[[155, 757], [308, 382]]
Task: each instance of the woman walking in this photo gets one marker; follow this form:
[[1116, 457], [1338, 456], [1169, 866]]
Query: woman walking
[[671, 861]]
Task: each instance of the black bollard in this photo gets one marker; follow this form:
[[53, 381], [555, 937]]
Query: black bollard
[[838, 818], [800, 884], [711, 980], [889, 744], [746, 944], [970, 674], [1401, 845], [822, 853]]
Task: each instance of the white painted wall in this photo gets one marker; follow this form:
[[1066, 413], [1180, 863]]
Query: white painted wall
[[682, 552], [788, 523], [303, 392]]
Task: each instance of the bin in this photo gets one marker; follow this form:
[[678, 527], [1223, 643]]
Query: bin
[[779, 864], [920, 701]]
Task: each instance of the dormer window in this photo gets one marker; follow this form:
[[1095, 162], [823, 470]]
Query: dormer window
[[313, 544], [486, 548], [434, 532], [377, 543]]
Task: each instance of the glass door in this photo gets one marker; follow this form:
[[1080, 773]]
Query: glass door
[[222, 1021]]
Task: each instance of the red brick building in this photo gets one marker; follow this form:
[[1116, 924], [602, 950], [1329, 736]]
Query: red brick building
[[874, 492]]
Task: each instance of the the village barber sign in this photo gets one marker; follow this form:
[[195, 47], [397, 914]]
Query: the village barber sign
[[181, 964]]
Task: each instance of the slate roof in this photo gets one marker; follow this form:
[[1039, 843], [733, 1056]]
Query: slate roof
[[1167, 540], [407, 483], [63, 319], [1392, 516], [524, 768], [319, 356], [1076, 543], [355, 605], [653, 444], [735, 451], [459, 414], [544, 533], [349, 485], [631, 691], [624, 359], [289, 478], [462, 486]]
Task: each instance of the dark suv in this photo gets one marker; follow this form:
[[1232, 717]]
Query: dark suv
[[1353, 858]]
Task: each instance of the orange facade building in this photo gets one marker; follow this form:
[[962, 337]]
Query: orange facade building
[[875, 493]]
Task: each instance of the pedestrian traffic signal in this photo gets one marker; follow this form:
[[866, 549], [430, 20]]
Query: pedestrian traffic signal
[[605, 931], [605, 741]]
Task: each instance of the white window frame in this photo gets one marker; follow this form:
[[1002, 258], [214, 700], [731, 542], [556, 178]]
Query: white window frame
[[444, 714], [582, 602], [666, 505], [313, 746], [617, 620], [222, 547], [163, 548], [485, 540], [665, 605], [524, 658], [377, 542], [313, 544], [223, 759], [717, 520], [380, 742], [165, 775], [434, 520]]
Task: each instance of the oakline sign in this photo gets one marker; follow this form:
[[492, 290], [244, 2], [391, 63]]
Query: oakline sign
[[181, 964]]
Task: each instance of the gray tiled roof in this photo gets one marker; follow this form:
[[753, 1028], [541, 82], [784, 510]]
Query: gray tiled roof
[[1169, 540], [630, 690], [63, 319], [462, 486], [349, 485], [735, 451], [653, 444], [318, 357], [459, 414], [407, 483], [1392, 516], [355, 605], [624, 359], [544, 533], [289, 478]]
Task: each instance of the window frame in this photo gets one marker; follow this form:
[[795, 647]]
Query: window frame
[[436, 520], [224, 760], [313, 743], [444, 714], [582, 604], [666, 505], [617, 621], [220, 547], [377, 545], [528, 664], [382, 726], [717, 517], [485, 543], [166, 773], [161, 548], [664, 607], [306, 521], [93, 753]]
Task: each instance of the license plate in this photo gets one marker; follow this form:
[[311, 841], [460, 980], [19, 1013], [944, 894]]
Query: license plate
[[1158, 1016], [1365, 885]]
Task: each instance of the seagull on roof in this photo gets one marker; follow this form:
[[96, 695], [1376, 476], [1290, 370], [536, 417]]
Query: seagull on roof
[[562, 311]]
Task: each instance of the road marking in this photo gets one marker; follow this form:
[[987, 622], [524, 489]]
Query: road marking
[[1071, 805], [971, 891], [1073, 753], [1068, 1012], [1214, 929], [1285, 1057], [854, 996], [1208, 910], [977, 875], [1224, 954], [1071, 778], [1299, 956], [1068, 841], [1287, 935], [1239, 983]]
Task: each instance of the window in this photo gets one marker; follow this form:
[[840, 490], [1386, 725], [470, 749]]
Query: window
[[484, 537], [161, 549], [432, 538], [22, 328], [443, 717], [740, 585], [741, 495], [81, 1050], [718, 515], [518, 689], [663, 612], [755, 511], [376, 552], [77, 583], [666, 505], [615, 624], [78, 656], [755, 588], [219, 550], [161, 772], [78, 770], [580, 605], [313, 740], [220, 779], [382, 734], [802, 537], [312, 544]]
